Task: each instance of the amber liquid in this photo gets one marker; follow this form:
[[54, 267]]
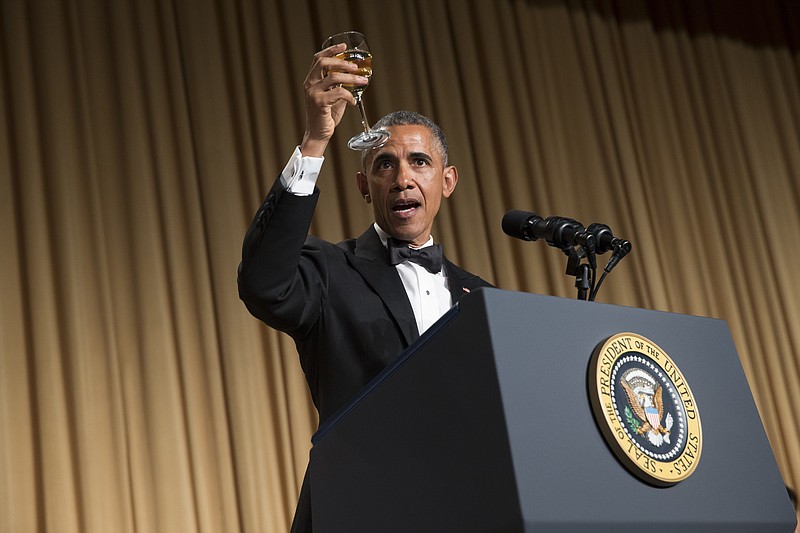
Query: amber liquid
[[364, 61]]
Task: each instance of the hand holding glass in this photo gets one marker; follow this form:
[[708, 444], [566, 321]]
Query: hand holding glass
[[358, 52]]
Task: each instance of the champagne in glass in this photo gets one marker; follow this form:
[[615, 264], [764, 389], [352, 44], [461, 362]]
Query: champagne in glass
[[358, 52], [363, 60]]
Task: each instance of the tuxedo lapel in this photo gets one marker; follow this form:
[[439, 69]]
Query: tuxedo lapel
[[461, 282], [454, 282], [370, 260]]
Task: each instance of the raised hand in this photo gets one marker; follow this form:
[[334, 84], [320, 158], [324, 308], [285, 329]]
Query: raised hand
[[326, 99]]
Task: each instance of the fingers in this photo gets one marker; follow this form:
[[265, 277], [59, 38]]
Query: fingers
[[328, 71], [329, 76], [322, 98], [330, 52], [336, 80], [324, 60], [327, 95]]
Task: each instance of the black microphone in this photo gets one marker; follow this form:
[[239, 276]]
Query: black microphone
[[567, 234], [560, 232], [606, 240]]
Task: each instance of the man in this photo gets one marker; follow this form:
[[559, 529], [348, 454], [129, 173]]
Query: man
[[348, 308]]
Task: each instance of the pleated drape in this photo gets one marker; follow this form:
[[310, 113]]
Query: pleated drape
[[138, 138]]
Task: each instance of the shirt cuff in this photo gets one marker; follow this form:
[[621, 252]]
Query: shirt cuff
[[300, 174]]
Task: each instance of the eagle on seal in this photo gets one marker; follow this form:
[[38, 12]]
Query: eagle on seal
[[646, 402]]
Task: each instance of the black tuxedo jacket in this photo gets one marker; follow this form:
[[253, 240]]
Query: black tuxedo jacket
[[343, 304]]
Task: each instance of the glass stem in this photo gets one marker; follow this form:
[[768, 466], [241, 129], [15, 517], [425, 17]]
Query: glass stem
[[364, 122]]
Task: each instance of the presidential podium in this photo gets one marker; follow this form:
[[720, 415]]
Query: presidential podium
[[486, 425]]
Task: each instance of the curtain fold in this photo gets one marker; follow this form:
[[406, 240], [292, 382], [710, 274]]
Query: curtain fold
[[138, 138]]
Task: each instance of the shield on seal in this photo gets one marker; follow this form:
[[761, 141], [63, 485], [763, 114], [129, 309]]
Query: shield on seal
[[653, 417]]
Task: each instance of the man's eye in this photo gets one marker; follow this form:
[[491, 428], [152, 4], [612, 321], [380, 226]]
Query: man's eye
[[384, 165], [421, 162]]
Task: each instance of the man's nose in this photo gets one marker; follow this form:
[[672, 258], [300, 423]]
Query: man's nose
[[403, 179]]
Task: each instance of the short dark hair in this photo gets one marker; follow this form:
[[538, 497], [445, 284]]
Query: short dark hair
[[410, 118]]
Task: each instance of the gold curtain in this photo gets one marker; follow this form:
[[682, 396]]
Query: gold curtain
[[137, 138]]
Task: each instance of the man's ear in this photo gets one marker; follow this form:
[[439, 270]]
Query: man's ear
[[450, 181], [363, 186]]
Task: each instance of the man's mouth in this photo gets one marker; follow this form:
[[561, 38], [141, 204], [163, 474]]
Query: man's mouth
[[405, 207]]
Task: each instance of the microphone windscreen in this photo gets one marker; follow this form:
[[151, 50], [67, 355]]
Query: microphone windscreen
[[515, 222]]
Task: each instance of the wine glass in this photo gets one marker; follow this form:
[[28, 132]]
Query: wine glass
[[358, 52]]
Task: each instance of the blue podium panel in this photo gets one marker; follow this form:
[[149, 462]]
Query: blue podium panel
[[485, 424]]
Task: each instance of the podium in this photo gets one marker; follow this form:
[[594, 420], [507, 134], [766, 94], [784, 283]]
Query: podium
[[486, 425]]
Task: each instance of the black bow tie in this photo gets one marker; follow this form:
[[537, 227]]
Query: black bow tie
[[429, 257]]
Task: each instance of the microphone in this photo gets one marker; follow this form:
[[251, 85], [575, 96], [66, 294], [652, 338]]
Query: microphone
[[606, 241], [567, 234], [560, 232]]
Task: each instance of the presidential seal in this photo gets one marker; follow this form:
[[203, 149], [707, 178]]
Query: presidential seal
[[645, 409]]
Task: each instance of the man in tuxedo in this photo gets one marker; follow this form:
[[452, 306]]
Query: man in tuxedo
[[352, 307]]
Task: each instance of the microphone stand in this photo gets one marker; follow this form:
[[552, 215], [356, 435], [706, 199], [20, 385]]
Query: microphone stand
[[583, 281], [584, 273]]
